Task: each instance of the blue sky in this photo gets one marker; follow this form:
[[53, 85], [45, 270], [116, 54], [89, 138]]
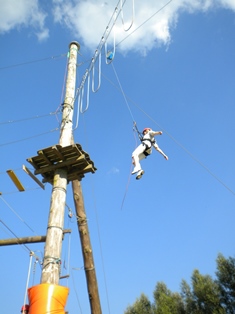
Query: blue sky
[[177, 72]]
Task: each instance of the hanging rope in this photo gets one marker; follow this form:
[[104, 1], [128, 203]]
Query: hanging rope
[[127, 104], [124, 96], [137, 131], [27, 282], [127, 186]]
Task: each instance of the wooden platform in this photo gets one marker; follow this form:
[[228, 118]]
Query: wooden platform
[[76, 161]]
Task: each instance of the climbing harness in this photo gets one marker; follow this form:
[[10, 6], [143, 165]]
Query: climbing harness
[[147, 150]]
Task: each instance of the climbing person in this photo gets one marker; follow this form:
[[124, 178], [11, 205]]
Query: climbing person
[[25, 309], [145, 149]]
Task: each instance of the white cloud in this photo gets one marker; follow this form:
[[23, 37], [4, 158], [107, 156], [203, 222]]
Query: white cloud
[[229, 4], [114, 170], [26, 13], [88, 19]]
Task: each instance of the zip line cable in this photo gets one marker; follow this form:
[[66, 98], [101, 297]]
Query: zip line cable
[[177, 142], [17, 215], [27, 119], [14, 192], [15, 236], [33, 61], [29, 138], [163, 7], [4, 229], [15, 169]]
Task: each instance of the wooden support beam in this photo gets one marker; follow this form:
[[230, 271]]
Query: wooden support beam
[[26, 240]]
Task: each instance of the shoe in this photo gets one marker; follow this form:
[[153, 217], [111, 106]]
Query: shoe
[[139, 174], [135, 170]]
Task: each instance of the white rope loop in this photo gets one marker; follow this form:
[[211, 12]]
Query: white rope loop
[[110, 54], [94, 90], [122, 15], [27, 282]]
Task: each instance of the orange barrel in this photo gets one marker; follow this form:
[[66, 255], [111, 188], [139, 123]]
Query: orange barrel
[[47, 298]]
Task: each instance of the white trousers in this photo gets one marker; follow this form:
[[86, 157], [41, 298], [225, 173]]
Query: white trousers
[[138, 154]]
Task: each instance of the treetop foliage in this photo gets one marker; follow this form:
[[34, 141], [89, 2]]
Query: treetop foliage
[[204, 295]]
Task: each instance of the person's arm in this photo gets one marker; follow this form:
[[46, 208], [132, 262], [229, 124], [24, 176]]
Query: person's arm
[[156, 133], [160, 151]]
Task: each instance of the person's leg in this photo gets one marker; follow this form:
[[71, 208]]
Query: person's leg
[[137, 156]]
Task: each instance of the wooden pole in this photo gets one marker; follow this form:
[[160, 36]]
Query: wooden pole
[[89, 264], [53, 245]]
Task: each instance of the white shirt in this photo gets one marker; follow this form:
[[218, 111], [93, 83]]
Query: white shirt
[[148, 139]]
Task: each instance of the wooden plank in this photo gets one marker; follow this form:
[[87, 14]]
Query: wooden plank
[[57, 153], [30, 160], [59, 165], [15, 180], [33, 177], [44, 157]]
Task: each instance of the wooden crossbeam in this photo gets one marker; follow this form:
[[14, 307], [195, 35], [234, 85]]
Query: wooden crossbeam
[[25, 240]]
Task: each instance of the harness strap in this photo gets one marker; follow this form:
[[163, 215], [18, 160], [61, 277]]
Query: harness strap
[[145, 152]]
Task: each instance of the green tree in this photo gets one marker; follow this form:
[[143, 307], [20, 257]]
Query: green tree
[[187, 297], [167, 302], [226, 281], [206, 295], [141, 306]]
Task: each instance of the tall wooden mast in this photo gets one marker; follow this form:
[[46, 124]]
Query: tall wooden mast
[[53, 246]]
